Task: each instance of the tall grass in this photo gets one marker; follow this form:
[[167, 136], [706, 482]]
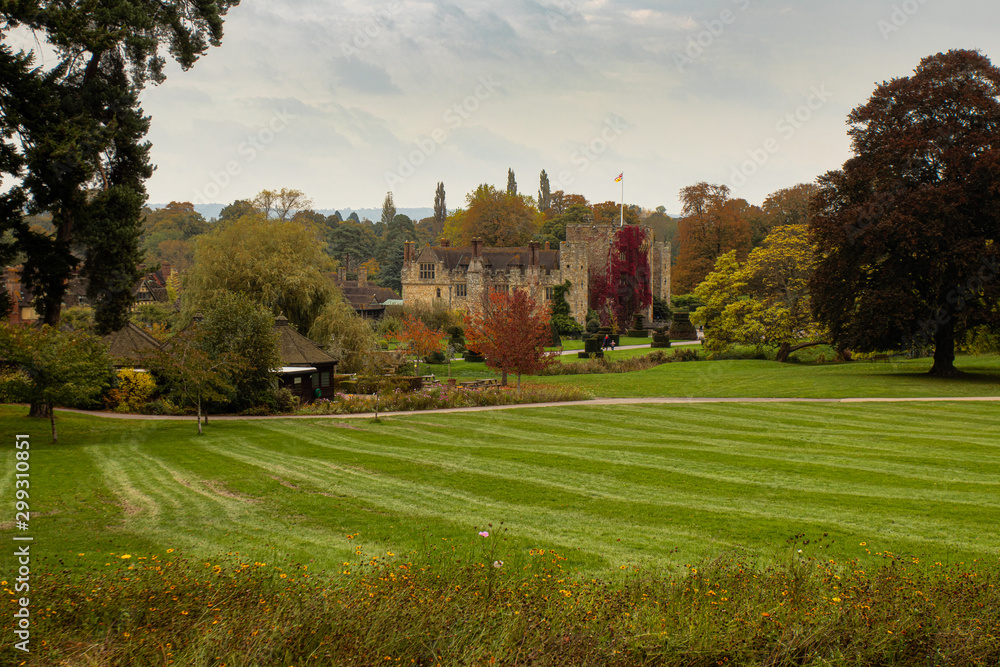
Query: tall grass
[[467, 606]]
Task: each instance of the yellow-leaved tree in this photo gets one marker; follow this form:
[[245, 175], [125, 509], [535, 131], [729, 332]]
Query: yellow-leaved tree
[[765, 301]]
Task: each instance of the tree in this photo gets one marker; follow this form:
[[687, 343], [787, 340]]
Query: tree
[[352, 239], [544, 194], [511, 333], [278, 264], [73, 137], [280, 203], [908, 229], [167, 234], [499, 218], [610, 212], [560, 317], [765, 302], [511, 183], [713, 224], [339, 326], [390, 251], [193, 374], [236, 210], [418, 339], [440, 209], [388, 210], [51, 367], [788, 206], [236, 327]]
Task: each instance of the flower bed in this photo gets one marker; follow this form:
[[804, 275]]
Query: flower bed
[[438, 397]]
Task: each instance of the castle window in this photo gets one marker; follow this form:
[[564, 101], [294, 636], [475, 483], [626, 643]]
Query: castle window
[[460, 290], [439, 293], [501, 288], [548, 294], [427, 272]]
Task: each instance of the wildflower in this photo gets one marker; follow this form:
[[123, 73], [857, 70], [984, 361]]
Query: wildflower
[[484, 534], [498, 563], [125, 556], [836, 599]]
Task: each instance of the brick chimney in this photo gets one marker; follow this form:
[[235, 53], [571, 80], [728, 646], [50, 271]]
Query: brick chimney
[[532, 253], [362, 276], [341, 273], [477, 247], [547, 246], [445, 243], [165, 270], [408, 254]]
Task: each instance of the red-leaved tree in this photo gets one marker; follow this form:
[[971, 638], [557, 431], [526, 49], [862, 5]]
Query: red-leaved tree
[[418, 339], [510, 331]]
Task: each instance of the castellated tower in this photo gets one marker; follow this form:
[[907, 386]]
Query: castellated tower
[[584, 250]]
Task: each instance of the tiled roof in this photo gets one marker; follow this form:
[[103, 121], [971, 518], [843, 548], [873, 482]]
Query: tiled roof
[[297, 350], [130, 343]]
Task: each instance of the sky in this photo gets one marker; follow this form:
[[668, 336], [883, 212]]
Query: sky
[[347, 100]]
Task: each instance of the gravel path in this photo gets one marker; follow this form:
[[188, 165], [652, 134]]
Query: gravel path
[[563, 404]]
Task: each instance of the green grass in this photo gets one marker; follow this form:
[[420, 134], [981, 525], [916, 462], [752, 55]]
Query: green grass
[[605, 485], [769, 379]]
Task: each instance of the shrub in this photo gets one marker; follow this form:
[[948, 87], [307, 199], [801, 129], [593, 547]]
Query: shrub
[[131, 392], [286, 401]]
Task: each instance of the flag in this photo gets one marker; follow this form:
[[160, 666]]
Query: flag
[[620, 177]]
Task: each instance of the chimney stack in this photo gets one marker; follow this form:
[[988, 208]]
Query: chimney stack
[[477, 247], [445, 243], [533, 253], [547, 246], [341, 273], [362, 276]]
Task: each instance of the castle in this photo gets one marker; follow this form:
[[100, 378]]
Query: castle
[[457, 277]]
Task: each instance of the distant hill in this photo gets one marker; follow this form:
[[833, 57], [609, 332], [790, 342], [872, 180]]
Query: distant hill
[[211, 211]]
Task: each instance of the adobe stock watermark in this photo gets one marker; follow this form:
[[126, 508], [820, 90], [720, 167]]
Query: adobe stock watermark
[[372, 29], [786, 127], [248, 150], [454, 117], [899, 16], [713, 29], [560, 13], [590, 152]]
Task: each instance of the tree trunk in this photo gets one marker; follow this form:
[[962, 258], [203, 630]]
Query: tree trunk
[[519, 382], [39, 410], [785, 350], [944, 352], [52, 420], [503, 379], [199, 414]]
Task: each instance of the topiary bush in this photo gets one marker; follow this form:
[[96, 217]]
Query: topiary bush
[[681, 327]]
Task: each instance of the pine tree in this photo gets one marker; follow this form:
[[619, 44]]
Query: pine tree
[[440, 210], [73, 138], [511, 183]]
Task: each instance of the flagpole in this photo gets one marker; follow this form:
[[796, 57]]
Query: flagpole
[[623, 200]]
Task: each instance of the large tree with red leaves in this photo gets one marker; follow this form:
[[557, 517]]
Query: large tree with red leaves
[[908, 231], [511, 333]]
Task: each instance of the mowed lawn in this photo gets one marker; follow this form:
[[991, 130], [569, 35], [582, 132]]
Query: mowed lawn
[[606, 486]]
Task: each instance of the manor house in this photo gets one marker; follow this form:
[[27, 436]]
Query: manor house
[[457, 277]]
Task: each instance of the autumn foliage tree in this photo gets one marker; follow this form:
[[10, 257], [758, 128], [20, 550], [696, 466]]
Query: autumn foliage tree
[[500, 218], [510, 331], [908, 230], [765, 301], [417, 338], [713, 224]]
